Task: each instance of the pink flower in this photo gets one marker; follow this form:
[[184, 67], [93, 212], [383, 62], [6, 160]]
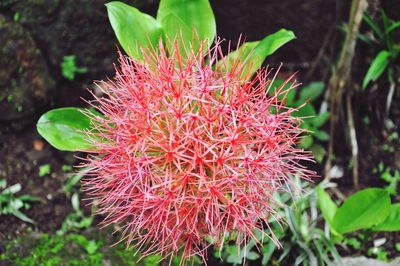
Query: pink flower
[[188, 153]]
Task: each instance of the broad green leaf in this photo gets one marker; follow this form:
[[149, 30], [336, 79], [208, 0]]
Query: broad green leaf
[[326, 205], [134, 29], [392, 221], [311, 92], [178, 28], [268, 46], [256, 52], [196, 15], [377, 67], [63, 129], [239, 55], [362, 210]]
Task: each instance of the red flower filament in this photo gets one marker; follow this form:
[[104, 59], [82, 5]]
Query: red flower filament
[[187, 153]]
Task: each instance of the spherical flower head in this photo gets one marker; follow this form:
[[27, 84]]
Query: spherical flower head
[[189, 152]]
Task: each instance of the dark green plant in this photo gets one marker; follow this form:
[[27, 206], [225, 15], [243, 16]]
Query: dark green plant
[[391, 177], [76, 220], [11, 204], [304, 100], [311, 244], [386, 60], [298, 232]]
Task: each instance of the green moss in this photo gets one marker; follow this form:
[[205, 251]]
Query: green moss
[[90, 248], [49, 250]]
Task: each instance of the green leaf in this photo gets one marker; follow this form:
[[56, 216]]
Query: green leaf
[[195, 15], [44, 170], [377, 67], [362, 210], [318, 152], [85, 222], [12, 189], [91, 247], [268, 46], [311, 92], [326, 205], [22, 216], [307, 112], [320, 120], [63, 129], [287, 93], [134, 29], [267, 251], [392, 221], [178, 28], [256, 52], [306, 142], [16, 204], [75, 202], [392, 27], [321, 135], [252, 255], [239, 55], [3, 183], [374, 26], [152, 260], [72, 181], [26, 198]]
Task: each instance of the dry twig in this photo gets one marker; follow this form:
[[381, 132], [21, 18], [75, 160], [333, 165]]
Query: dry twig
[[340, 77]]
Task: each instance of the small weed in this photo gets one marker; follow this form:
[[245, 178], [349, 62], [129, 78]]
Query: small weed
[[16, 17], [313, 121], [69, 67], [353, 242], [66, 168], [44, 170], [12, 204]]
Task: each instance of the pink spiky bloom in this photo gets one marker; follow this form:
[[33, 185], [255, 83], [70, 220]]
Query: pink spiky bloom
[[187, 153]]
